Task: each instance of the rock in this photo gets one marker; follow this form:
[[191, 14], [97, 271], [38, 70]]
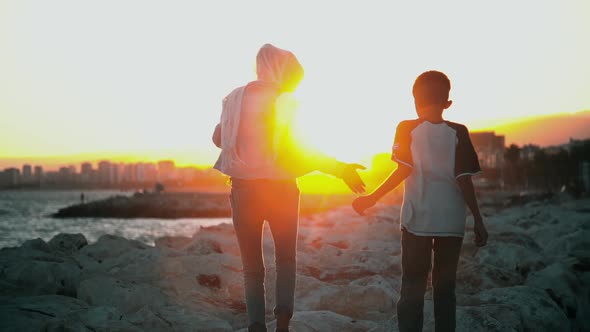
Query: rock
[[367, 298], [37, 245], [220, 238], [40, 277], [110, 246], [340, 266], [127, 297], [569, 291], [64, 325], [150, 321], [121, 258], [573, 241], [209, 280], [315, 321], [535, 307], [31, 313], [170, 318], [327, 321], [100, 318], [488, 317], [473, 277], [203, 247], [104, 318], [68, 243], [492, 317], [175, 242], [221, 280], [517, 257]]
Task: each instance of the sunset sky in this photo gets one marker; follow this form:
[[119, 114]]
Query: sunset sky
[[145, 79]]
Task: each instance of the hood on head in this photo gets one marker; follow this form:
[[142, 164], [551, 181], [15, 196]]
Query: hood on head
[[278, 66]]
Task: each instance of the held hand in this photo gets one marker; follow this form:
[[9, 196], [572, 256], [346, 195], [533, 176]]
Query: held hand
[[481, 234], [352, 179], [360, 204]]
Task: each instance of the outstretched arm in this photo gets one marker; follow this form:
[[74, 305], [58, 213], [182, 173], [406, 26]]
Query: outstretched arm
[[466, 186], [396, 177], [300, 157], [329, 165]]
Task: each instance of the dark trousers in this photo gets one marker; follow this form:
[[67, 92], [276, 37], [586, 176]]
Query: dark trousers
[[277, 202], [416, 260]]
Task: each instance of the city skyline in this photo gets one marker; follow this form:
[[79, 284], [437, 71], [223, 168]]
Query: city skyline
[[493, 152], [105, 173], [531, 130]]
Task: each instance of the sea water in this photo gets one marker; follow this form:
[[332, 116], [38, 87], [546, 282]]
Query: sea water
[[26, 214]]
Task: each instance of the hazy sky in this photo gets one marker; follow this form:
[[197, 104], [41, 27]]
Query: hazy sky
[[148, 77]]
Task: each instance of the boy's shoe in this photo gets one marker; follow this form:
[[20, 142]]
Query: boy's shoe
[[257, 327]]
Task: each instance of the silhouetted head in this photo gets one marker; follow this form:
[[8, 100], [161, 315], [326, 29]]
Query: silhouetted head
[[431, 92], [278, 66]]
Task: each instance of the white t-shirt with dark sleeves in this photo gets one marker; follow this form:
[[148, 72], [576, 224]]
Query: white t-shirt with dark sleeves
[[438, 153]]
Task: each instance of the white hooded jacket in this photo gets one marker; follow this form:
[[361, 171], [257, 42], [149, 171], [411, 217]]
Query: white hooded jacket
[[256, 124]]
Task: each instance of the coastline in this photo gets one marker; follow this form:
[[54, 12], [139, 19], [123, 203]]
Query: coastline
[[174, 205]]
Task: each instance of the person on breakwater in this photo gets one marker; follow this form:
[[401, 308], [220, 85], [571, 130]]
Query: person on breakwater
[[436, 160], [262, 154]]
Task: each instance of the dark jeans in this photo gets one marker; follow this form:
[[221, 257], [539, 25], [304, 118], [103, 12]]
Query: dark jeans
[[416, 259], [277, 202]]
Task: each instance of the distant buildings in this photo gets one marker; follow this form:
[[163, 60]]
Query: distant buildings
[[490, 149], [108, 174], [87, 174], [527, 152], [129, 173], [86, 168], [38, 174], [10, 177], [166, 170], [27, 176], [105, 172]]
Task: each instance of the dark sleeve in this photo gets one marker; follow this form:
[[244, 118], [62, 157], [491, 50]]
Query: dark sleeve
[[466, 161], [401, 151]]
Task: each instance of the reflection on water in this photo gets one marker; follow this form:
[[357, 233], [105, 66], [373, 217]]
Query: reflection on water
[[24, 215]]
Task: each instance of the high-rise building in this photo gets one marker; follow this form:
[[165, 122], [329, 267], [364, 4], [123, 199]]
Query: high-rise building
[[166, 170], [527, 152], [105, 172], [490, 148], [38, 174], [129, 173], [86, 173], [66, 175], [9, 177], [27, 175], [86, 168], [115, 173], [139, 172], [151, 172]]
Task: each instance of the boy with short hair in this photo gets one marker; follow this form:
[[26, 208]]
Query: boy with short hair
[[436, 159]]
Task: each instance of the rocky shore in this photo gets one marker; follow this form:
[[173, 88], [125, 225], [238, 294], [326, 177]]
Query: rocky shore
[[181, 205], [534, 275]]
